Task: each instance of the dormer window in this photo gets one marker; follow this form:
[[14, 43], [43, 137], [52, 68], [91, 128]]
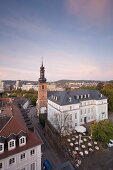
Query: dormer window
[[11, 142], [81, 96], [1, 147], [2, 142], [85, 96], [70, 99], [88, 95], [22, 138], [77, 96], [22, 141]]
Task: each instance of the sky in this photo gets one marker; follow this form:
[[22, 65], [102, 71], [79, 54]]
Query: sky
[[75, 38]]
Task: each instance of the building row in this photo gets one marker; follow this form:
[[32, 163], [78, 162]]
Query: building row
[[20, 147]]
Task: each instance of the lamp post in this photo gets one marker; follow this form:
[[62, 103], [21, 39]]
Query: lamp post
[[79, 140]]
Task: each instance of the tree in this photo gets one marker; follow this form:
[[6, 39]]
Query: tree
[[108, 93], [42, 119], [100, 86], [102, 131], [33, 100], [62, 122]]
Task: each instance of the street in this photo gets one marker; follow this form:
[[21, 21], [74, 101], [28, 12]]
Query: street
[[48, 152]]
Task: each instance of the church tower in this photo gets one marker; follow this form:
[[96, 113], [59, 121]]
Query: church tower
[[42, 92]]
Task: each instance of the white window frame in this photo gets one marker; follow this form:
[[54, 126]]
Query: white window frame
[[32, 150], [12, 162], [33, 164], [2, 165], [2, 145], [75, 115], [11, 147], [21, 156], [22, 143], [23, 168]]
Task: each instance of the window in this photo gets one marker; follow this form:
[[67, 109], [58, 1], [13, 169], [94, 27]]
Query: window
[[1, 147], [1, 166], [77, 97], [85, 96], [42, 86], [11, 161], [22, 156], [75, 115], [11, 144], [33, 166], [81, 96], [81, 112], [32, 152], [81, 120], [23, 169], [22, 141], [88, 95], [70, 117]]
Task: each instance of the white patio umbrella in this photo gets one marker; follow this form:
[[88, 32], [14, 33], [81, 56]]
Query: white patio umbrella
[[80, 129]]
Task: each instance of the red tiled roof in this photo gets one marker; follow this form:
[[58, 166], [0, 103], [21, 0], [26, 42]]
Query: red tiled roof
[[15, 125]]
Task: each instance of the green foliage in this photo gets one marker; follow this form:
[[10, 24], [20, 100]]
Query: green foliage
[[102, 131], [100, 86], [108, 93], [13, 95], [42, 119], [88, 87], [33, 100], [31, 95]]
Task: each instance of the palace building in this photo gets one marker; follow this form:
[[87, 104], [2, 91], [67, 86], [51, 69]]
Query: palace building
[[75, 108]]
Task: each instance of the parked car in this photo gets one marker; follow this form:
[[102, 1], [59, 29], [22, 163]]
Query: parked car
[[47, 165], [110, 144]]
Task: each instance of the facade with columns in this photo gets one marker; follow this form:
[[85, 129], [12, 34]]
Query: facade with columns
[[42, 92]]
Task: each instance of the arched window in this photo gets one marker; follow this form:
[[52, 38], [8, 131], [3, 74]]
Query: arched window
[[42, 86]]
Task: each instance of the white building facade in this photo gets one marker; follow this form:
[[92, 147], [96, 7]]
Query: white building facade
[[29, 86], [26, 160], [77, 108]]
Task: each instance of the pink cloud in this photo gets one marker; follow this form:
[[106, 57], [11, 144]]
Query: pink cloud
[[15, 74], [93, 10]]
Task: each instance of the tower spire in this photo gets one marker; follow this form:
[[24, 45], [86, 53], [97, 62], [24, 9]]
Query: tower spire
[[42, 73], [42, 61]]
